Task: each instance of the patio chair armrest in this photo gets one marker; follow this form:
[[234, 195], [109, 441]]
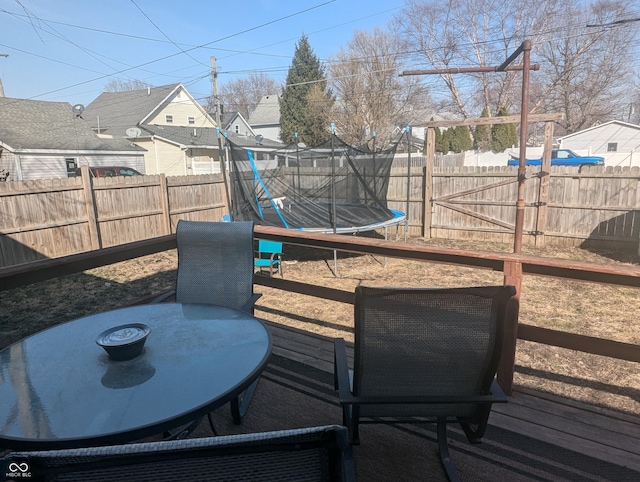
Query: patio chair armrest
[[341, 370], [420, 399], [164, 296], [248, 306]]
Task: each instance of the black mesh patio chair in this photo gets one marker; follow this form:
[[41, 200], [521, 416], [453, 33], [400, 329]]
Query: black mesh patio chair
[[424, 355], [215, 266], [315, 453]]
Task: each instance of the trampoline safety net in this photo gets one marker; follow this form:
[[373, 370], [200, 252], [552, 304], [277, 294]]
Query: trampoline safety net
[[330, 188]]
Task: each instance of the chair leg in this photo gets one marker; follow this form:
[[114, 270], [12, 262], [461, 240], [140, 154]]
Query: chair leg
[[181, 432], [239, 407], [211, 424], [475, 431], [350, 420], [443, 450]]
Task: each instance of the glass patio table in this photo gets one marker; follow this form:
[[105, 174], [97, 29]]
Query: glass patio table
[[60, 389]]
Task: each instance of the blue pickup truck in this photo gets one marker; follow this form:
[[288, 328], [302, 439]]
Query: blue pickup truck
[[563, 157]]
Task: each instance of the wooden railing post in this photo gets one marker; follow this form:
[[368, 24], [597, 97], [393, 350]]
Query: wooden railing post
[[512, 276]]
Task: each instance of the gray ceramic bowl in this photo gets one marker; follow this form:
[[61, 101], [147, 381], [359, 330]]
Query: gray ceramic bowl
[[124, 342]]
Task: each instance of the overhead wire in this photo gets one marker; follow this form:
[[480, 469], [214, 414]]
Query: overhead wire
[[283, 69], [271, 22]]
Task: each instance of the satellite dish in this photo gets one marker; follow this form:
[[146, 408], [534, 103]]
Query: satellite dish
[[78, 109], [133, 132], [259, 138]]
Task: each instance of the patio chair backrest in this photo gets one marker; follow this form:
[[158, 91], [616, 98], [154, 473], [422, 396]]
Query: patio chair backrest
[[427, 342], [266, 246], [215, 263], [315, 453]]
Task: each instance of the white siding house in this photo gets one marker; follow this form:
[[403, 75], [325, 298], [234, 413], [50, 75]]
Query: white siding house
[[44, 140], [618, 142]]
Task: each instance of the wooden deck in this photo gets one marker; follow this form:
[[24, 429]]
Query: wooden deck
[[593, 431]]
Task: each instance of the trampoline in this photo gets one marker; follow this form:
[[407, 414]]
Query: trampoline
[[332, 188]]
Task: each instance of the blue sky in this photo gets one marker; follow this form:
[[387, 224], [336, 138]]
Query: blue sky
[[68, 50]]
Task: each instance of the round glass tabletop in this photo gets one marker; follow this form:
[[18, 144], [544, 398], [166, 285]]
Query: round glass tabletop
[[59, 388]]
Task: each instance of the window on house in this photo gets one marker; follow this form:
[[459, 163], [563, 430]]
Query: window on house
[[237, 128], [612, 147], [191, 120], [72, 165], [168, 119]]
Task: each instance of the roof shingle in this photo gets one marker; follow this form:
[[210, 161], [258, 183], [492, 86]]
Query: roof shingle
[[35, 124]]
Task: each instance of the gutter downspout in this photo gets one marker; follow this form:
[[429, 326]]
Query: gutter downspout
[[155, 151]]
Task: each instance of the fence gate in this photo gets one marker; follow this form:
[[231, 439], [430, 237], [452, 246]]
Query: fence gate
[[462, 202]]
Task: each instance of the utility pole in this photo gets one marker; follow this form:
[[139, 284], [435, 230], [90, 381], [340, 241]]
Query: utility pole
[[216, 101], [2, 88]]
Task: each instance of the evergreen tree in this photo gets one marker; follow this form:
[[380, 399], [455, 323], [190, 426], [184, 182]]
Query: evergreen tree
[[461, 140], [482, 134], [437, 137], [305, 100], [503, 135], [445, 141]]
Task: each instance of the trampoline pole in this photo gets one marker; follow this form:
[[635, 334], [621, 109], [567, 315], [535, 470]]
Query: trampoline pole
[[375, 171], [333, 198], [295, 135]]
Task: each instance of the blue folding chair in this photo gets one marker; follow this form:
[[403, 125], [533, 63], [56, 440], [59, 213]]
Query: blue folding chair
[[269, 257]]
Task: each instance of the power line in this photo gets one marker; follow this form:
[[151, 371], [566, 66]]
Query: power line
[[257, 27], [165, 35]]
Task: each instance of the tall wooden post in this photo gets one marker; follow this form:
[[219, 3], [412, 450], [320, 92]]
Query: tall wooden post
[[525, 48], [216, 99], [428, 183]]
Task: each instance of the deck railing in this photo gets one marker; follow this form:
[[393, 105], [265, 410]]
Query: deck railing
[[513, 267]]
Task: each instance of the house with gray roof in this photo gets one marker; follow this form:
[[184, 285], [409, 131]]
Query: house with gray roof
[[265, 119], [41, 140], [178, 134], [237, 124]]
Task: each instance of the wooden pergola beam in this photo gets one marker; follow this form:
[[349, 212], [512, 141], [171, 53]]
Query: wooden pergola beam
[[507, 119]]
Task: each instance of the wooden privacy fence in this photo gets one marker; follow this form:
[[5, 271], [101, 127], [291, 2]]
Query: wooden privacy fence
[[57, 217], [567, 206]]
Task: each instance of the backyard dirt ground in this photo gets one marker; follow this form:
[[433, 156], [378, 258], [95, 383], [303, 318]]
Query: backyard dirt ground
[[587, 308]]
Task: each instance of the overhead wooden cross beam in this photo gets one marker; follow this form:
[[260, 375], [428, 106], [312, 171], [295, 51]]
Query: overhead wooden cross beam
[[463, 70], [507, 119]]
